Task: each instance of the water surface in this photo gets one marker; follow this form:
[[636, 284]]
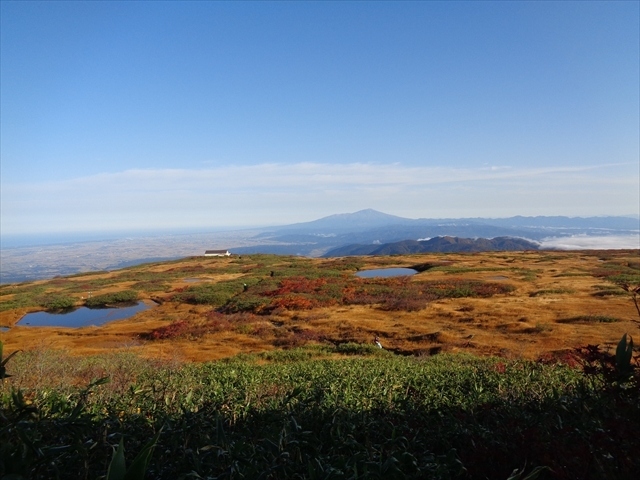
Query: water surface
[[386, 272], [80, 317]]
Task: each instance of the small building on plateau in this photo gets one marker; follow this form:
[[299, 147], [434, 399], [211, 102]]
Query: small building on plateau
[[217, 253]]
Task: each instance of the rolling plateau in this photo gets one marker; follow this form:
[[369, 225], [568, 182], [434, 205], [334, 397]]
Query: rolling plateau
[[530, 305]]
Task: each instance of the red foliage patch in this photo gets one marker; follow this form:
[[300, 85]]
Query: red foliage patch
[[174, 330], [217, 322], [297, 338], [608, 272], [292, 302], [298, 285], [566, 357]]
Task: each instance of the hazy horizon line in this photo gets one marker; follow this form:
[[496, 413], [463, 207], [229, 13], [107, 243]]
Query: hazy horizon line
[[34, 239]]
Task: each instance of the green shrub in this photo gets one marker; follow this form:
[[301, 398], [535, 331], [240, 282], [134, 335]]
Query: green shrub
[[110, 299], [618, 273], [364, 349], [589, 319], [609, 293], [151, 286], [247, 303], [214, 294], [23, 296], [58, 302], [551, 291]]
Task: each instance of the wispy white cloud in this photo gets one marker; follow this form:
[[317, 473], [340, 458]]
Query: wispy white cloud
[[281, 193]]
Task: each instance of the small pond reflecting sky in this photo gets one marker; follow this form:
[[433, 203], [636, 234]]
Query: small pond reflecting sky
[[80, 317], [386, 272]]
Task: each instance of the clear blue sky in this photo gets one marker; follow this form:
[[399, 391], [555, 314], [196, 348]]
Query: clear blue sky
[[141, 115]]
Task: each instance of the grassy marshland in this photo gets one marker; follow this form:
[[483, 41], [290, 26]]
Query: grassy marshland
[[511, 304]]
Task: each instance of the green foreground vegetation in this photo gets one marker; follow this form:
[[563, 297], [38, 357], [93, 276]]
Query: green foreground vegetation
[[321, 412]]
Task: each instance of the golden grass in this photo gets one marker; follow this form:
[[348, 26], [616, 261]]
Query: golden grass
[[526, 323]]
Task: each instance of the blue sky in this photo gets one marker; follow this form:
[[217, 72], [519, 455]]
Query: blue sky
[[161, 115]]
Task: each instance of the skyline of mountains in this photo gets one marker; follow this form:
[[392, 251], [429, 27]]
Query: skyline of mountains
[[365, 232], [371, 227], [370, 218], [364, 220]]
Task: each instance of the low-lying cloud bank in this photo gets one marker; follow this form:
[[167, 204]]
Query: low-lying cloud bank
[[587, 242]]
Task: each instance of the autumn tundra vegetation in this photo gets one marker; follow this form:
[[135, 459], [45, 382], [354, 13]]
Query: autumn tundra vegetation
[[496, 365]]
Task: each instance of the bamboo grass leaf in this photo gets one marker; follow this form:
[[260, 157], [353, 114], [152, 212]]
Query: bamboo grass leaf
[[139, 466], [117, 467], [3, 362], [624, 351], [535, 473]]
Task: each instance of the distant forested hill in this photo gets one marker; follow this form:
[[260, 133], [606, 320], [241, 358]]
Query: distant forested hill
[[437, 244]]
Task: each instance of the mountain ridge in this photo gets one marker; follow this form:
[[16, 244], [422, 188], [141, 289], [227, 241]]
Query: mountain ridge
[[370, 218], [371, 227], [436, 244]]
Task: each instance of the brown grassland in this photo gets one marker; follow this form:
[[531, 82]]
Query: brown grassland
[[531, 305]]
